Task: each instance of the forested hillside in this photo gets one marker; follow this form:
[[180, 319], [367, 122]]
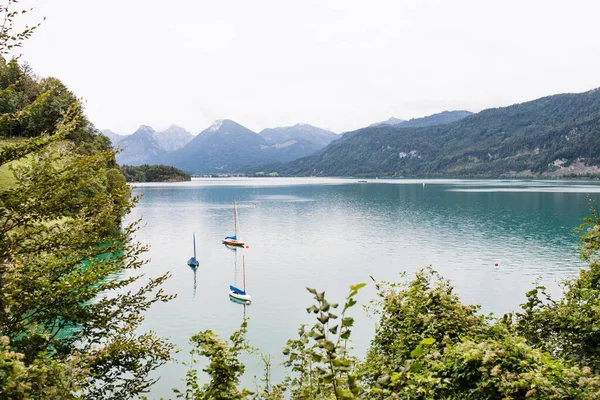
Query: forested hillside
[[153, 173], [552, 136]]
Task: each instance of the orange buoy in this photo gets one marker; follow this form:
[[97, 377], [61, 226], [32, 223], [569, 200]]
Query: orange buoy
[[248, 303], [247, 246]]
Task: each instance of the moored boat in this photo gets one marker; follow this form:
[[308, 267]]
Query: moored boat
[[237, 293], [233, 239], [193, 262]]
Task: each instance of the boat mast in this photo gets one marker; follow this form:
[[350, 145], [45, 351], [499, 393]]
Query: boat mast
[[234, 219], [194, 245], [244, 271]]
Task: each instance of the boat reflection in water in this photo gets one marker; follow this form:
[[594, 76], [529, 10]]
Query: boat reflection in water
[[242, 303], [195, 270]]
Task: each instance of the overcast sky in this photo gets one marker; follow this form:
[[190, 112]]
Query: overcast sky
[[339, 65]]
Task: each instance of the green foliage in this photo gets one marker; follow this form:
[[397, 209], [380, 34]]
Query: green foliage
[[45, 378], [269, 390], [153, 173], [33, 107], [69, 325], [61, 287], [568, 327], [429, 346], [224, 367], [589, 234], [320, 365], [9, 39], [320, 356], [426, 309], [503, 368]]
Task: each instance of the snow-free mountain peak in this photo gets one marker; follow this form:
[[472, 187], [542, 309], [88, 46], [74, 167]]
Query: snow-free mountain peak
[[143, 130], [215, 126], [114, 137], [174, 128], [310, 137], [223, 127], [173, 138], [139, 147]]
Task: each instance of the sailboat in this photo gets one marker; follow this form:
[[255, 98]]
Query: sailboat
[[192, 262], [233, 240], [239, 294]]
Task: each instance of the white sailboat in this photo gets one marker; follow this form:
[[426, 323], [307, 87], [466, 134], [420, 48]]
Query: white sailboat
[[233, 240], [237, 293], [192, 262]]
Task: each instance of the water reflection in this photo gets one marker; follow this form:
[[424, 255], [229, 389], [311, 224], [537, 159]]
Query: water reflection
[[234, 250], [194, 291]]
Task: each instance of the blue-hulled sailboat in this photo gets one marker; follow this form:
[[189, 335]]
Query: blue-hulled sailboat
[[192, 262], [238, 293]]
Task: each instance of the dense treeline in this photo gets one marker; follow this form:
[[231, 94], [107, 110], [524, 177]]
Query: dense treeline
[[524, 139], [68, 327], [153, 173]]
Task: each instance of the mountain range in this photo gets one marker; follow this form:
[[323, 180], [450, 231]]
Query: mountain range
[[549, 137], [145, 144], [227, 146], [224, 147], [444, 117], [554, 136]]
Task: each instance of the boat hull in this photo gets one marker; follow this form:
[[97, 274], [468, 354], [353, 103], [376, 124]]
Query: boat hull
[[238, 296], [232, 242]]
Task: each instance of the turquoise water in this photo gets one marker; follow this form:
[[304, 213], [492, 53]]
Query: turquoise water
[[331, 233]]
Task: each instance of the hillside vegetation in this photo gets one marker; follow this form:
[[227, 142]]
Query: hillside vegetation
[[552, 136]]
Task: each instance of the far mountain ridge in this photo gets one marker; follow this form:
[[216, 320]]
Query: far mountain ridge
[[298, 132], [224, 146], [297, 141], [173, 138], [444, 117], [114, 137], [146, 144], [139, 147], [227, 146]]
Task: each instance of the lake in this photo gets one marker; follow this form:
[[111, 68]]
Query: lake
[[331, 233]]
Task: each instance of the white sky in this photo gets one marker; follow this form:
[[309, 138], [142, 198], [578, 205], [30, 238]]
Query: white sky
[[339, 65]]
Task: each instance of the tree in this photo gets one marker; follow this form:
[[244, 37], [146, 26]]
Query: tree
[[69, 321], [224, 367]]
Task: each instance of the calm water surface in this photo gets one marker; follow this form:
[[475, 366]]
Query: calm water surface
[[331, 233]]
